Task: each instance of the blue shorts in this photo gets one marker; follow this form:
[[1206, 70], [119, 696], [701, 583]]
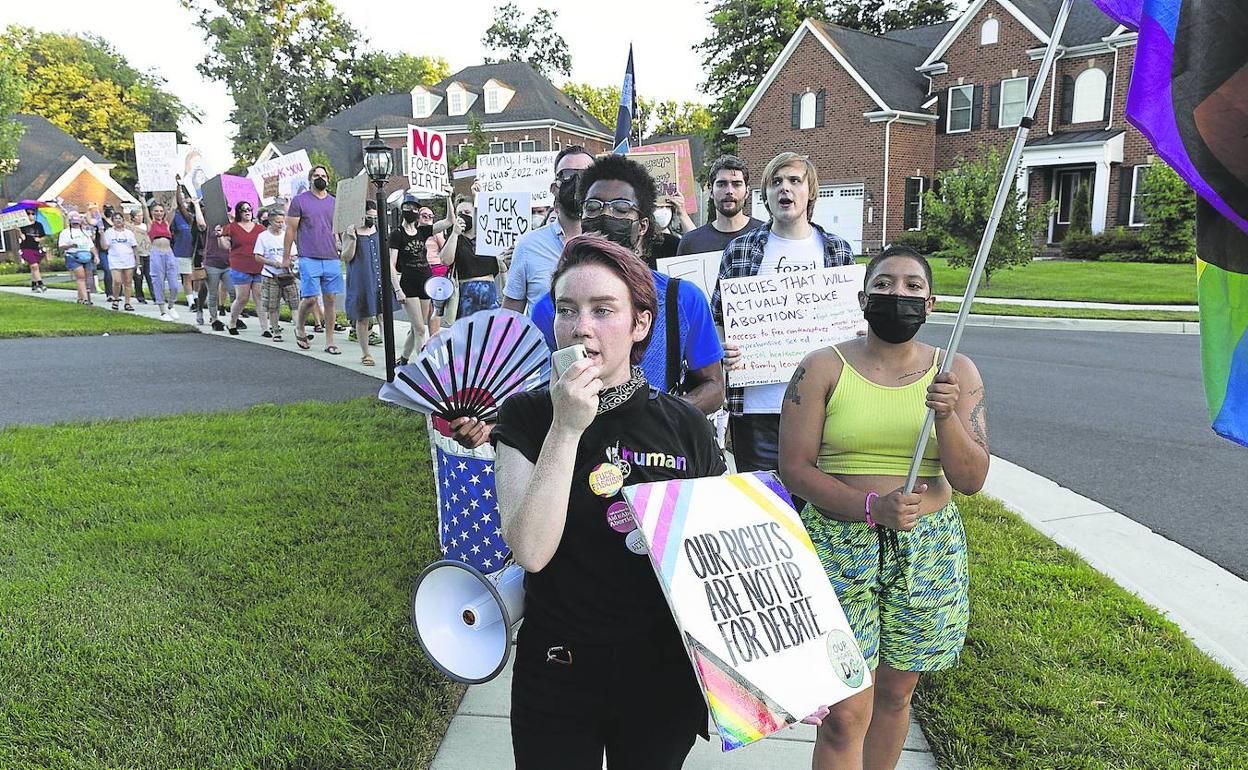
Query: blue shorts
[[320, 276], [239, 278]]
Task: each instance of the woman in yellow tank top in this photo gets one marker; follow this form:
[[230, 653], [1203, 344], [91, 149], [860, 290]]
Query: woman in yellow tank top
[[848, 425]]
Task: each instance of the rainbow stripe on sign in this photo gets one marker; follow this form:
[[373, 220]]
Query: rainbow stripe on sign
[[743, 714]]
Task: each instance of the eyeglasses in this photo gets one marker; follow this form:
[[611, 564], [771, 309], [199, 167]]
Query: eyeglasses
[[617, 208], [244, 208], [567, 174]]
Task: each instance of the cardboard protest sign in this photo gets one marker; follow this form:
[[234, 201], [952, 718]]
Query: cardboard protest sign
[[291, 171], [155, 158], [349, 203], [272, 185], [501, 219], [194, 172], [684, 162], [701, 269], [222, 193], [530, 172], [778, 318], [13, 220], [662, 167], [762, 624], [427, 161]]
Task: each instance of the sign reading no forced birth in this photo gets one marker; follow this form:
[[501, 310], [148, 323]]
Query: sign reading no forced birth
[[427, 163]]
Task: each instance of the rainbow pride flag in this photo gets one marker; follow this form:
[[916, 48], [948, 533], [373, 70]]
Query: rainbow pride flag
[[1189, 96]]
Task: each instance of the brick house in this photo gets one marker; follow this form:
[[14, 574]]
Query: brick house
[[905, 106], [520, 111]]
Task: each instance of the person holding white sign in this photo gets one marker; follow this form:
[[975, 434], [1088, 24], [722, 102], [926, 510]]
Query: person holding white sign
[[475, 275], [897, 558], [790, 242]]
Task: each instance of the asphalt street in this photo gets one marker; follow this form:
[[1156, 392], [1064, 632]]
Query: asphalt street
[[1119, 418], [79, 378]]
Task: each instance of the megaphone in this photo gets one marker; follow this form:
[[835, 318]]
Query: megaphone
[[463, 618]]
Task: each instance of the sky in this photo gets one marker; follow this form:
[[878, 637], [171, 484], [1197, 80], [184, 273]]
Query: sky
[[162, 39]]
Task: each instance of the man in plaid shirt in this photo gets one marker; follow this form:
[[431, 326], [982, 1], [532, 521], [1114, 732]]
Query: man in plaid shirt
[[790, 242]]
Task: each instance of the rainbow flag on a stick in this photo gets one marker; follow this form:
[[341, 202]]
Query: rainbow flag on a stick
[[1189, 96]]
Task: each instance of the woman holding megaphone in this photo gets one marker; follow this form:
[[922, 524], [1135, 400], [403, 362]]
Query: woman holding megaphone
[[599, 666]]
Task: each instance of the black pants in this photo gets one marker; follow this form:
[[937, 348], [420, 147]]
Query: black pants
[[638, 702], [756, 445], [145, 263]]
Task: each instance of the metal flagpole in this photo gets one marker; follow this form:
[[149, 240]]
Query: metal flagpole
[[990, 231]]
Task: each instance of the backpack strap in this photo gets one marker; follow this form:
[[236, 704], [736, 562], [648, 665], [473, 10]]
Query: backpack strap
[[671, 312]]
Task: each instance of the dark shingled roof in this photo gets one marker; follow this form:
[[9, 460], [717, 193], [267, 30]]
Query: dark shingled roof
[[1087, 24], [345, 152], [44, 153], [924, 37], [887, 64], [1075, 137]]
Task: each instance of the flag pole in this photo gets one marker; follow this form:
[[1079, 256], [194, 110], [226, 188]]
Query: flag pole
[[994, 218]]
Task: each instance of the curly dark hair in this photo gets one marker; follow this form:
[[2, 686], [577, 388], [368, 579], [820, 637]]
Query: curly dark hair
[[620, 169]]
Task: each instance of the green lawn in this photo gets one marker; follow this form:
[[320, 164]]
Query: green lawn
[[218, 591], [51, 280], [1064, 669], [1126, 282], [981, 308], [22, 316]]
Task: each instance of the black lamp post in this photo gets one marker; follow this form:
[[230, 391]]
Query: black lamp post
[[379, 162]]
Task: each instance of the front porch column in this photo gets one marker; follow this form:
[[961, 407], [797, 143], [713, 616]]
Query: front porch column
[[1100, 196]]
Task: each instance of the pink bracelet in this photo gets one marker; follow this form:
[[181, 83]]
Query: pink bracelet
[[867, 508]]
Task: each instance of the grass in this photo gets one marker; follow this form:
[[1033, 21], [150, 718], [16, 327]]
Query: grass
[[1125, 282], [33, 317], [1065, 669], [980, 308], [218, 591]]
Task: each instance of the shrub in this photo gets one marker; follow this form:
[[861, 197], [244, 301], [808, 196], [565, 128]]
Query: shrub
[[1095, 247], [920, 240], [1081, 212], [1170, 210]]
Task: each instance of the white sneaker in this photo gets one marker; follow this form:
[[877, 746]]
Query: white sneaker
[[166, 317], [173, 314]]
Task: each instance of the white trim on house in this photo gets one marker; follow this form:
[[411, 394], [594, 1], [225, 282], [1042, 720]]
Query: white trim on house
[[1001, 101], [965, 20], [807, 27], [970, 111], [1099, 154], [1135, 182], [912, 118], [740, 132], [932, 100], [935, 68], [85, 164], [366, 133], [270, 151]]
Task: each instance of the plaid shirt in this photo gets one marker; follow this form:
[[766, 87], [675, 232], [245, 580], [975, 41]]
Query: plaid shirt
[[742, 258]]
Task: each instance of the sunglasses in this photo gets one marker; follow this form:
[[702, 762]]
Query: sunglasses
[[619, 208], [568, 174]]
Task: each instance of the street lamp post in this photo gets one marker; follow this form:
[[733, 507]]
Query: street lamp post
[[379, 162]]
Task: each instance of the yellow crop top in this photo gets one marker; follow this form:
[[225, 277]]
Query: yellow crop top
[[870, 429]]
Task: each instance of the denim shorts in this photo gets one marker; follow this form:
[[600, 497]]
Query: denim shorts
[[320, 276], [239, 278]]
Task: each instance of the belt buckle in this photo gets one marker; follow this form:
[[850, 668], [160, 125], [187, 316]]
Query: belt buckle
[[559, 654]]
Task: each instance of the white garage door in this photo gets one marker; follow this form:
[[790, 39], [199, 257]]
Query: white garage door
[[838, 210]]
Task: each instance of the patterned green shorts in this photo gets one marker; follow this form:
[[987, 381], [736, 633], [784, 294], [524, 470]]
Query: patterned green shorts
[[910, 607]]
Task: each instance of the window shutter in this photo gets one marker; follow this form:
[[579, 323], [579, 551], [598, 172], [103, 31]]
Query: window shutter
[[797, 111], [911, 211], [1124, 195], [943, 119], [819, 106], [977, 103], [994, 105], [1109, 101], [1068, 99]]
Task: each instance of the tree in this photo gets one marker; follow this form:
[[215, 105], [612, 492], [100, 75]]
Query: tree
[[319, 158], [684, 118], [653, 117], [534, 40], [11, 95], [477, 144], [1080, 212], [880, 16], [91, 92], [378, 72], [958, 215], [1170, 210]]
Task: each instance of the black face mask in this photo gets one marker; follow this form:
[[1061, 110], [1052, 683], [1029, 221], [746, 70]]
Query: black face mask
[[895, 318], [568, 199], [620, 231], [467, 220], [410, 216], [320, 183], [370, 221]]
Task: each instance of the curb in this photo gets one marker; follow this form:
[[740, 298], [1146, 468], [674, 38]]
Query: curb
[[1072, 324]]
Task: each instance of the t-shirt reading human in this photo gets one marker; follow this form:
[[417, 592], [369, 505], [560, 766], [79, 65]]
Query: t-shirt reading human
[[243, 247], [315, 237], [782, 255], [707, 238], [270, 247], [411, 248], [599, 586]]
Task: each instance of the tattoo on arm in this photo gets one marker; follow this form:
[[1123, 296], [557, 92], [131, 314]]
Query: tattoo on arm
[[790, 393], [977, 419]]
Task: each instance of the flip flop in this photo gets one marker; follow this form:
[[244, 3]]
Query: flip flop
[[368, 361], [333, 350], [303, 343]]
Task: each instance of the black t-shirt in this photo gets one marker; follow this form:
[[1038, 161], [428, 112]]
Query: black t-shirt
[[468, 264], [30, 237], [707, 238], [664, 246], [411, 248], [595, 590]]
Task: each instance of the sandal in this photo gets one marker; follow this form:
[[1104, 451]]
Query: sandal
[[367, 360], [303, 343], [277, 337], [318, 329], [333, 350], [129, 308], [113, 304]]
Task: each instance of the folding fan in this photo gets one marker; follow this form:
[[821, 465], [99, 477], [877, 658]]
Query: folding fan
[[469, 369]]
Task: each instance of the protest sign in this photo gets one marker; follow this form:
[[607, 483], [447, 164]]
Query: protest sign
[[701, 269], [291, 171], [427, 161], [762, 624], [662, 167], [501, 219], [777, 319], [194, 172], [349, 203], [530, 172], [155, 159], [222, 193], [13, 220], [272, 185], [684, 163]]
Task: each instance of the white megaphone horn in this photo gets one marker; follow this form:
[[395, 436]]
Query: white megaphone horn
[[463, 618]]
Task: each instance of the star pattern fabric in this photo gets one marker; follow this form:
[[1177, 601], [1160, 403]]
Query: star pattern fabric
[[470, 530]]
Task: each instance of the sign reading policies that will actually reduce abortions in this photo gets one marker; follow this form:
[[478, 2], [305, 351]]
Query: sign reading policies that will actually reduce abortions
[[777, 319]]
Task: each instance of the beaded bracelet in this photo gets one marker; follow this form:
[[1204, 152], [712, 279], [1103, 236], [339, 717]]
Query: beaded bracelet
[[867, 508]]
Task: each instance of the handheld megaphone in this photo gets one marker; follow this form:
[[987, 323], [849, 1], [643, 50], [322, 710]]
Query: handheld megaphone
[[463, 618]]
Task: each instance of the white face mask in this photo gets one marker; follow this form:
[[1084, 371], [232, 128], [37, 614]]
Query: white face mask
[[662, 217]]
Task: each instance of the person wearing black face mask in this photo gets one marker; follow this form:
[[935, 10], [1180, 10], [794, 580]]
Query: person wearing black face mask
[[409, 268], [361, 250], [848, 426], [309, 227], [477, 289]]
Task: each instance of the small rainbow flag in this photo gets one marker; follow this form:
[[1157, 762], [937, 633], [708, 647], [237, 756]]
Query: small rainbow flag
[[742, 713]]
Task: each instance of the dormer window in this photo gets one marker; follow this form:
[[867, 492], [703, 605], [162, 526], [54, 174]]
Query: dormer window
[[491, 100], [420, 105], [497, 95], [455, 105], [988, 32], [424, 102]]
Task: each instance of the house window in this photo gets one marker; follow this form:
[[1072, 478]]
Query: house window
[[988, 32], [407, 159], [959, 109], [491, 100], [912, 216], [1089, 105], [1013, 102], [422, 105], [497, 147], [528, 145], [558, 145], [455, 102], [1136, 217], [461, 149], [808, 110]]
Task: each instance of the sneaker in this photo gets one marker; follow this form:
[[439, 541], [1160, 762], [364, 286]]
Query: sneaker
[[241, 325], [233, 331], [34, 286], [339, 327], [268, 335], [374, 338], [350, 335], [217, 326], [142, 301], [43, 288], [199, 317], [173, 313], [166, 317]]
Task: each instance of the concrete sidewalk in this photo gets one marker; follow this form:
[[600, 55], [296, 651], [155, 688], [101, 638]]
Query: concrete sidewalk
[[1072, 304]]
